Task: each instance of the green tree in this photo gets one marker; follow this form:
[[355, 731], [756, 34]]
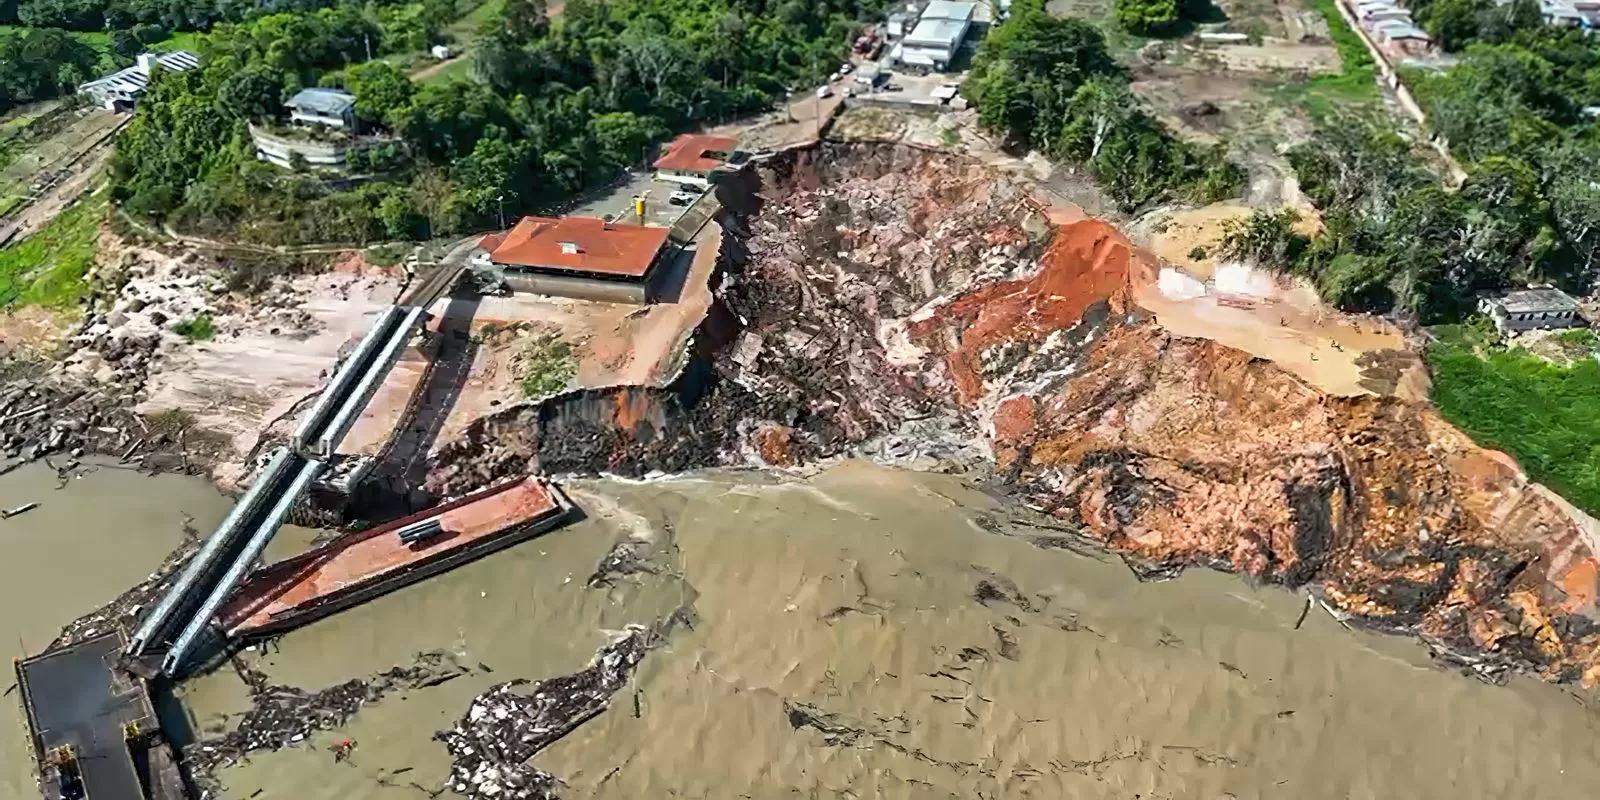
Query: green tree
[[1454, 23], [383, 93], [1146, 17], [625, 137], [254, 92], [1028, 69]]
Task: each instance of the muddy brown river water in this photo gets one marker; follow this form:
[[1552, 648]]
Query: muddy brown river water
[[865, 633]]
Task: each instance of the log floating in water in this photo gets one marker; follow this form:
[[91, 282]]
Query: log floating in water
[[18, 510]]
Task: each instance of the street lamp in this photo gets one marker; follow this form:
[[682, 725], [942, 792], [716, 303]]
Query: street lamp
[[501, 199]]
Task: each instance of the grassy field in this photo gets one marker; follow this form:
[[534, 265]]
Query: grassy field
[[49, 269], [459, 69], [1356, 84], [1545, 415], [182, 40]]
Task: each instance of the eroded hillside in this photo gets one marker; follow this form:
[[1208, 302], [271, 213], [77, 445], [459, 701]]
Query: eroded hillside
[[915, 305]]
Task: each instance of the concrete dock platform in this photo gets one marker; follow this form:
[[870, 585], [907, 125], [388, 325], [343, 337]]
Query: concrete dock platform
[[92, 724]]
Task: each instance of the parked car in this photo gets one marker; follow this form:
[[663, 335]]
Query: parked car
[[682, 198], [844, 69], [824, 91]]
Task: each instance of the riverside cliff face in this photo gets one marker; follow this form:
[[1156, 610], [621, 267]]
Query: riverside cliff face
[[908, 304]]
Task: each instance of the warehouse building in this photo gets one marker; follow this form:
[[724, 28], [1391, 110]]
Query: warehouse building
[[1532, 309], [579, 257], [932, 45]]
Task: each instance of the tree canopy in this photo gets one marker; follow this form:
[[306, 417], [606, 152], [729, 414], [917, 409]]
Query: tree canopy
[[39, 64], [1048, 83], [554, 107]]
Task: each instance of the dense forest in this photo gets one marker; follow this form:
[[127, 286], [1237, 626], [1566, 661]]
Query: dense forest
[[1049, 84], [171, 15], [555, 107], [41, 64]]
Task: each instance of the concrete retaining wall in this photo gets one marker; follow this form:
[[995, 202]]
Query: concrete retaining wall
[[278, 149], [579, 288]]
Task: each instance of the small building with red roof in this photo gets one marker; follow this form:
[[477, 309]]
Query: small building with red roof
[[582, 257], [693, 157]]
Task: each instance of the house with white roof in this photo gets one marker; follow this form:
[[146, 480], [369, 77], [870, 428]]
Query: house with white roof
[[121, 90], [939, 33]]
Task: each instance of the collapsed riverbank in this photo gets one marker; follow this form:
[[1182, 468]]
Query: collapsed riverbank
[[908, 303]]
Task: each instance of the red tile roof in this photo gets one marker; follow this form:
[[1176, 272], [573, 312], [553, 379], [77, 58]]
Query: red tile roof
[[687, 153], [596, 246], [492, 241]]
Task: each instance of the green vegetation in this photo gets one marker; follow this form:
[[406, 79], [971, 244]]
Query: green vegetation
[[1353, 53], [1163, 17], [42, 64], [1146, 17], [1529, 210], [1457, 24], [1547, 416], [1322, 96], [1050, 84], [1578, 337], [545, 365], [198, 329], [550, 110], [49, 269], [1265, 238]]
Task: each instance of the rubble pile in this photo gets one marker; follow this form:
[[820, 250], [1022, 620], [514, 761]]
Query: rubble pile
[[624, 558], [825, 364], [42, 416], [905, 304], [504, 727], [282, 716], [127, 336]]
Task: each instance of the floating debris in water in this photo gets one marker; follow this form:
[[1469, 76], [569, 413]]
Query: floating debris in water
[[25, 507], [282, 716], [505, 726]]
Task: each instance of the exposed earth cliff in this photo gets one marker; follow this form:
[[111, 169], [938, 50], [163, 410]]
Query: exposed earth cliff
[[915, 305]]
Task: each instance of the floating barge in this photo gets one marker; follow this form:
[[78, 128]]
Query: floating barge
[[92, 726], [360, 566]]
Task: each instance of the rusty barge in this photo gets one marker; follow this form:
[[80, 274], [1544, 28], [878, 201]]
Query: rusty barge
[[358, 567]]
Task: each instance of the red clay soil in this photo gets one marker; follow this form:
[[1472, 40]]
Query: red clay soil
[[1172, 451], [1087, 261], [1182, 451]]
